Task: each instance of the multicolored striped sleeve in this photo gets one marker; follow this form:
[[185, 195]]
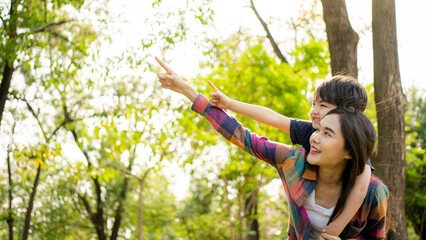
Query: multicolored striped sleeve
[[233, 131], [376, 220]]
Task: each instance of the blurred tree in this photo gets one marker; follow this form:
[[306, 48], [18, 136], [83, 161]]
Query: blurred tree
[[415, 199], [49, 42], [36, 39], [32, 25], [109, 137]]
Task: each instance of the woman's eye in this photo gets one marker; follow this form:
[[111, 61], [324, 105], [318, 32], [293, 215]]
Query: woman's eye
[[327, 134]]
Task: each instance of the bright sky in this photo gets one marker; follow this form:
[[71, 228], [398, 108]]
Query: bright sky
[[232, 15]]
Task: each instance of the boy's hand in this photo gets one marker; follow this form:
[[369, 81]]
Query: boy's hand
[[326, 236], [218, 99]]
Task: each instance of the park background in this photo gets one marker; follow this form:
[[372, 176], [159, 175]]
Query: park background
[[92, 147]]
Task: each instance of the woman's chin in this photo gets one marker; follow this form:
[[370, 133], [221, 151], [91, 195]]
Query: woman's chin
[[311, 160]]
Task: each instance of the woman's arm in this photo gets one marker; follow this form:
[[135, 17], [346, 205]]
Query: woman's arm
[[229, 127], [255, 112], [233, 131], [353, 203], [172, 81]]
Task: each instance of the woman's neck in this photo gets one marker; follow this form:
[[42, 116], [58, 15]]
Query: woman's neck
[[330, 175]]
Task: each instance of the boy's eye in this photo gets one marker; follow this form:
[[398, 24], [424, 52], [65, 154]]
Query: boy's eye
[[322, 105]]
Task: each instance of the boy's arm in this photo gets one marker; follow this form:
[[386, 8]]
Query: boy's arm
[[353, 203], [258, 113]]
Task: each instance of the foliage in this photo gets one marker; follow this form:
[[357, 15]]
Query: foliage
[[202, 216], [415, 198]]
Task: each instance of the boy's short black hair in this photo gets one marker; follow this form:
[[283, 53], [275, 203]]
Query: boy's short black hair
[[343, 91]]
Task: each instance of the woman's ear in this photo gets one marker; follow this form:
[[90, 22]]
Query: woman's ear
[[348, 156]]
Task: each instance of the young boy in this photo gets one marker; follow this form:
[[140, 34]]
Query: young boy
[[338, 91]]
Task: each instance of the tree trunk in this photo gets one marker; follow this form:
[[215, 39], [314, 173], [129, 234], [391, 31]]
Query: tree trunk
[[99, 220], [119, 211], [10, 219], [251, 216], [4, 88], [9, 59], [240, 217], [31, 205], [140, 211], [97, 217], [390, 107], [342, 39]]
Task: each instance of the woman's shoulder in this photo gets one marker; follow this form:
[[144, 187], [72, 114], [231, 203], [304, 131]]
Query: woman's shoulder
[[298, 155], [377, 191]]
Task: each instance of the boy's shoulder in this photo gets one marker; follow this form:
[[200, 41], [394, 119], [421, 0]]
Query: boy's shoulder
[[301, 125], [300, 121], [300, 132]]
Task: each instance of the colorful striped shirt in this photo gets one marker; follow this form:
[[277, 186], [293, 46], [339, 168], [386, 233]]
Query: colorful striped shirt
[[298, 177]]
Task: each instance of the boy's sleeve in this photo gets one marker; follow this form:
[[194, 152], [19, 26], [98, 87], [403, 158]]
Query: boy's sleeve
[[300, 132], [233, 131], [369, 164]]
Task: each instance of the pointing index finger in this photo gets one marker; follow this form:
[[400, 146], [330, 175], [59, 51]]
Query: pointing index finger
[[167, 68], [213, 86]]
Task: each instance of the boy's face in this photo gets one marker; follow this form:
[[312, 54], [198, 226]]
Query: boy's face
[[318, 110]]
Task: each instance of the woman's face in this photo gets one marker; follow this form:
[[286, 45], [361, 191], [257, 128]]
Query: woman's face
[[318, 110], [328, 143]]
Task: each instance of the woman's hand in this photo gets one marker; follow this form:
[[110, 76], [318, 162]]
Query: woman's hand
[[326, 236], [218, 99], [172, 81]]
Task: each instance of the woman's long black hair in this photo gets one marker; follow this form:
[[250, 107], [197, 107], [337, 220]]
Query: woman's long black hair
[[360, 138]]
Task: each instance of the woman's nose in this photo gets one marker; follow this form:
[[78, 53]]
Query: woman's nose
[[314, 137]]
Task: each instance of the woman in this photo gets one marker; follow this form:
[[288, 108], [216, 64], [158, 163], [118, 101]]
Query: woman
[[317, 182]]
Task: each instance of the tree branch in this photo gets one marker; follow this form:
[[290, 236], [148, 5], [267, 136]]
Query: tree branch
[[35, 115], [86, 206], [49, 25], [66, 120], [268, 34], [60, 36], [2, 20]]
